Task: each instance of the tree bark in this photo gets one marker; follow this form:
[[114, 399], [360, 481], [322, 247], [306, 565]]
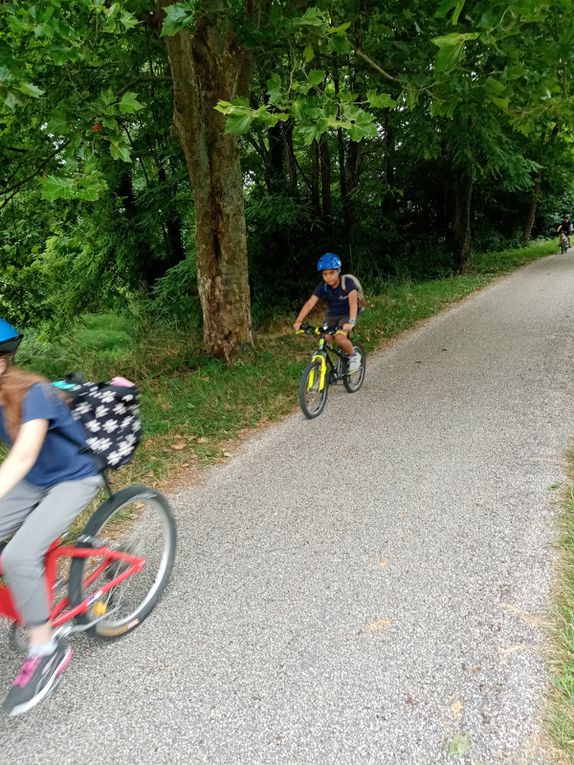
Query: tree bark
[[325, 160], [207, 66], [461, 221], [532, 210]]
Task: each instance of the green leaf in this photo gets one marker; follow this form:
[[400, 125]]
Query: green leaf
[[238, 123], [454, 38], [315, 77], [56, 187], [339, 44], [177, 17], [128, 20], [380, 100], [312, 17], [451, 49], [459, 745], [274, 90], [120, 151], [12, 101], [57, 124], [30, 90], [308, 53], [446, 6], [129, 103]]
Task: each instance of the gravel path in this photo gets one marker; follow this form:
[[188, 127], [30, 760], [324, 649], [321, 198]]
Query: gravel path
[[368, 587]]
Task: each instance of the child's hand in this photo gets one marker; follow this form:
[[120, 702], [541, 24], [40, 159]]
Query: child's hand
[[297, 326]]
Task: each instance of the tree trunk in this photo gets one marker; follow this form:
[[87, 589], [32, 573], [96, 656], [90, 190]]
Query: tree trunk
[[290, 155], [461, 221], [532, 211], [315, 178], [325, 160], [207, 66]]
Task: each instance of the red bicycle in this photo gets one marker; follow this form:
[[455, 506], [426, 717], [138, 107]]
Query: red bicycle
[[113, 575]]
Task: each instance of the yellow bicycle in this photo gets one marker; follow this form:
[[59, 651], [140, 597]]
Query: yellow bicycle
[[328, 365]]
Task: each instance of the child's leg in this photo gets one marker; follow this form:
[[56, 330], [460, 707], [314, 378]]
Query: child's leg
[[343, 342], [23, 557], [16, 506]]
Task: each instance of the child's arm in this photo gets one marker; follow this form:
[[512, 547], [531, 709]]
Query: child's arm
[[353, 310], [307, 308], [23, 454]]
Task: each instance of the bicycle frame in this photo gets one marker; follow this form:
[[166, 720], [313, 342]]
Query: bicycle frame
[[322, 355], [60, 611]]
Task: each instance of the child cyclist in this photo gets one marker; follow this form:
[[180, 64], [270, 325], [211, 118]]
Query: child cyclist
[[45, 482], [342, 306]]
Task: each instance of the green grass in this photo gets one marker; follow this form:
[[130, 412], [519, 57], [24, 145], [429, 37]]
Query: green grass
[[561, 708]]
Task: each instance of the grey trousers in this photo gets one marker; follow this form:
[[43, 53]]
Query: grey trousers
[[34, 517]]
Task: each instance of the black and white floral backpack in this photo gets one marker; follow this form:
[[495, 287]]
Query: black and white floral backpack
[[109, 413]]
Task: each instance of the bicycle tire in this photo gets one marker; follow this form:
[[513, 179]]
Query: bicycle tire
[[308, 395], [353, 382], [564, 246], [136, 509]]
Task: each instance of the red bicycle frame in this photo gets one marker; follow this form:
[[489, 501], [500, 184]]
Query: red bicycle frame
[[60, 611]]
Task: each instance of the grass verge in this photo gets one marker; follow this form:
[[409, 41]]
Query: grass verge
[[561, 707]]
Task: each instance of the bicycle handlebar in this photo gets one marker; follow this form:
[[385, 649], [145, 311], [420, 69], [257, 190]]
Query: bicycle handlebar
[[309, 329]]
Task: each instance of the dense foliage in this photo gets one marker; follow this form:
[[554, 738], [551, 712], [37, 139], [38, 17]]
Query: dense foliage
[[401, 135]]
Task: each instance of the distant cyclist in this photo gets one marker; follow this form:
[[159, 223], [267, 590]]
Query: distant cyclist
[[565, 229], [45, 482], [342, 306]]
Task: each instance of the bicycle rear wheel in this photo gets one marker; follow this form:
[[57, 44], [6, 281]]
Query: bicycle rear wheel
[[138, 520], [313, 390], [353, 380]]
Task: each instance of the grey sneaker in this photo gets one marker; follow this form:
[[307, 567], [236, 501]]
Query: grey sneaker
[[354, 363], [37, 678]]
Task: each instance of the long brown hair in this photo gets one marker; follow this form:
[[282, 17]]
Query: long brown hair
[[14, 384]]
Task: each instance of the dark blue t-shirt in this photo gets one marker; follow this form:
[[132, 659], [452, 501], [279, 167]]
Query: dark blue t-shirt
[[337, 298], [59, 459]]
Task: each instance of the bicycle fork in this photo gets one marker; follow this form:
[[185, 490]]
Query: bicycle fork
[[322, 372]]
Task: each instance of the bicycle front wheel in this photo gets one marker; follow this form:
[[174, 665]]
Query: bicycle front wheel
[[353, 380], [313, 390], [137, 520]]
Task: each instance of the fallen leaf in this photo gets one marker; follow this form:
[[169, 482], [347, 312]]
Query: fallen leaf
[[227, 454], [179, 445], [379, 625], [456, 707], [459, 745], [202, 440]]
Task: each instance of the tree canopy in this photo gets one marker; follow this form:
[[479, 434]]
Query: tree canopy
[[198, 156]]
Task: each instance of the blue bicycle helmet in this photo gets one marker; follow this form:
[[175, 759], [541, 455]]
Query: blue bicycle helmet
[[328, 261], [9, 338]]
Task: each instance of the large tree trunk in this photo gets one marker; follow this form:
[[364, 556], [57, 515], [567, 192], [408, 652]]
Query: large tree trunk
[[207, 66], [533, 208]]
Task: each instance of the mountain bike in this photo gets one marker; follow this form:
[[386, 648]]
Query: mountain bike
[[329, 364], [113, 574]]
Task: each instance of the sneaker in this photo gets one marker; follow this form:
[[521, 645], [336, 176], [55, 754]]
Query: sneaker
[[38, 677], [354, 363]]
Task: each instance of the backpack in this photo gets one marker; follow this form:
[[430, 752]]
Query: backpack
[[361, 302], [109, 414]]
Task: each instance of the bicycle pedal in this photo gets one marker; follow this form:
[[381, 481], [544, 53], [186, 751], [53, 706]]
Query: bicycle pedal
[[99, 609]]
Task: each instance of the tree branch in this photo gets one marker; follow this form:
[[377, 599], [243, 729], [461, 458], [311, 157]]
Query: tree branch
[[376, 67]]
